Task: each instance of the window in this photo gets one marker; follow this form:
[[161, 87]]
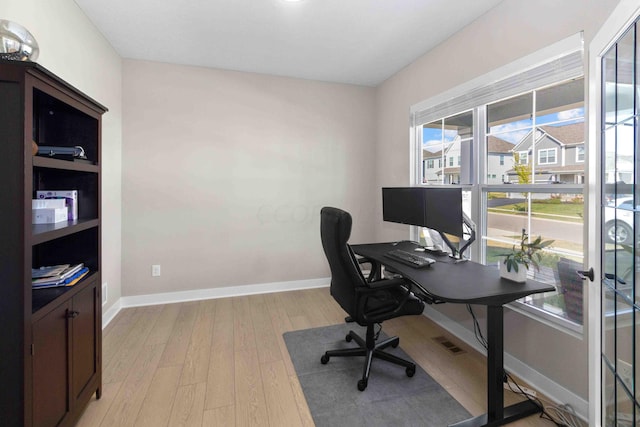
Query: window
[[430, 163], [538, 114], [522, 157], [547, 156], [449, 139]]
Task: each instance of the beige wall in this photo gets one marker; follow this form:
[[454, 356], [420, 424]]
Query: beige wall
[[512, 30], [224, 175], [74, 50]]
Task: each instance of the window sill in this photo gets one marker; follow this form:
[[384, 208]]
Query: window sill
[[555, 321]]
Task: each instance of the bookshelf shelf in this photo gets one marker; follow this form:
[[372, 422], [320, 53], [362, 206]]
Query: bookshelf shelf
[[47, 162], [52, 338], [45, 232]]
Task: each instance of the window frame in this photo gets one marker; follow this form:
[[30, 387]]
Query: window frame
[[456, 100]]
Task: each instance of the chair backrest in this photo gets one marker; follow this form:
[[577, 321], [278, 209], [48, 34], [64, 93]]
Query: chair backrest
[[335, 229]]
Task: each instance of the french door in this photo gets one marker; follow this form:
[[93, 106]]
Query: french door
[[615, 303]]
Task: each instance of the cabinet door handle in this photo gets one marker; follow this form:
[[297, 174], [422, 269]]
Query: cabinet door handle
[[73, 314]]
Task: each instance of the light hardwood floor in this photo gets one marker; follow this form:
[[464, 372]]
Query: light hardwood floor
[[223, 362]]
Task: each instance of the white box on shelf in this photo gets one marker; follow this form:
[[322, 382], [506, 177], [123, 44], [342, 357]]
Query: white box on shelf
[[70, 196], [48, 203], [49, 215]]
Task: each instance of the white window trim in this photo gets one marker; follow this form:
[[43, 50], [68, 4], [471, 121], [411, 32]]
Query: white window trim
[[548, 150]]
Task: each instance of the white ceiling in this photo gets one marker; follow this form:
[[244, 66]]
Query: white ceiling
[[347, 41]]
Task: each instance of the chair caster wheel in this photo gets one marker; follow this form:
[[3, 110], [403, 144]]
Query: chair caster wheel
[[362, 384], [396, 343], [324, 359], [411, 371], [348, 338]]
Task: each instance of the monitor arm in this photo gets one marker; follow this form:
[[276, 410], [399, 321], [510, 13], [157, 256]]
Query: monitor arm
[[470, 230]]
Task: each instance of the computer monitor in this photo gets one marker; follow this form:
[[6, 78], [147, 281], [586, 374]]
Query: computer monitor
[[437, 208], [405, 205]]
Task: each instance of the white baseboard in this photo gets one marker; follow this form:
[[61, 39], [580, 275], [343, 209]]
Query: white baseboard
[[212, 293], [535, 379], [109, 315]]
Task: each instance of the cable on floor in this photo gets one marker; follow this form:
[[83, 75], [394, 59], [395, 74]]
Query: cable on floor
[[563, 415]]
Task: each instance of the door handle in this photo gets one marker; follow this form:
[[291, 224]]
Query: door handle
[[73, 314], [584, 275]]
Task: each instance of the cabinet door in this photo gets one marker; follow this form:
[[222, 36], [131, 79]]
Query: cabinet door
[[84, 342], [51, 368]]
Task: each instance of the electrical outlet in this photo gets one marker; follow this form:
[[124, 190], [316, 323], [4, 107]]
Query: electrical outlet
[[155, 270], [625, 370], [104, 293]]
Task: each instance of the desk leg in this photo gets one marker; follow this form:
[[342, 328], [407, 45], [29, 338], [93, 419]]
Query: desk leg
[[497, 414]]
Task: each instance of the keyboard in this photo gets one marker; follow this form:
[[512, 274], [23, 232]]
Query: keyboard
[[409, 258]]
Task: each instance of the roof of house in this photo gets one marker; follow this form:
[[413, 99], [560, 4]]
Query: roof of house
[[426, 154], [497, 145], [572, 134]]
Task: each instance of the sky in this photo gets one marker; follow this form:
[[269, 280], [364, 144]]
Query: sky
[[512, 132]]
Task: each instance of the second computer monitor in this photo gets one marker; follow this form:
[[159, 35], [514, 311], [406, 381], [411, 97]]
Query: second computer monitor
[[438, 208]]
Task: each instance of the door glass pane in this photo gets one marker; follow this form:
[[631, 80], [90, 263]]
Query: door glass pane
[[608, 396], [624, 77], [609, 88], [608, 325], [637, 358], [624, 159], [624, 342], [625, 406]]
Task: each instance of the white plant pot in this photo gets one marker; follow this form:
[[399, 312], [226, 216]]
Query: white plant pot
[[519, 276]]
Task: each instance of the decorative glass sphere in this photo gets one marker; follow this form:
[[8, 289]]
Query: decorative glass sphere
[[16, 42]]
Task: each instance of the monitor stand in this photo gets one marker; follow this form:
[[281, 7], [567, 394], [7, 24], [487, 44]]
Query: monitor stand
[[457, 253]]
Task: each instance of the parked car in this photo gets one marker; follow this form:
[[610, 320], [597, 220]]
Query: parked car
[[618, 226]]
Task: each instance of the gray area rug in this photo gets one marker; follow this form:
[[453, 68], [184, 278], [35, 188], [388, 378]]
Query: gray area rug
[[391, 398]]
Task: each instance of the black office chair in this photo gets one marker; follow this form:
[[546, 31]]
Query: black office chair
[[366, 302]]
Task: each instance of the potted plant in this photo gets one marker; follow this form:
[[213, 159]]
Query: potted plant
[[514, 264]]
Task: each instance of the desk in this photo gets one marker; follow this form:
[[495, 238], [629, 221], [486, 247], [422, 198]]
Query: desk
[[469, 283]]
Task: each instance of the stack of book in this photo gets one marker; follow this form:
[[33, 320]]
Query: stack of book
[[57, 275]]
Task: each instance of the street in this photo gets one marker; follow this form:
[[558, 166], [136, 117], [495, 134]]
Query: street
[[507, 225]]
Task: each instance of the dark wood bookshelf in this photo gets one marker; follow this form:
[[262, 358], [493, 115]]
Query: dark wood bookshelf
[[51, 344]]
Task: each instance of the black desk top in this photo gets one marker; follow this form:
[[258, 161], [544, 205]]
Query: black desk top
[[463, 282]]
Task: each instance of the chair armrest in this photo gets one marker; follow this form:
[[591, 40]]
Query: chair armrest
[[374, 272], [390, 283]]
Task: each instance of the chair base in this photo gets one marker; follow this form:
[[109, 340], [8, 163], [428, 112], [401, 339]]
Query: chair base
[[370, 349]]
